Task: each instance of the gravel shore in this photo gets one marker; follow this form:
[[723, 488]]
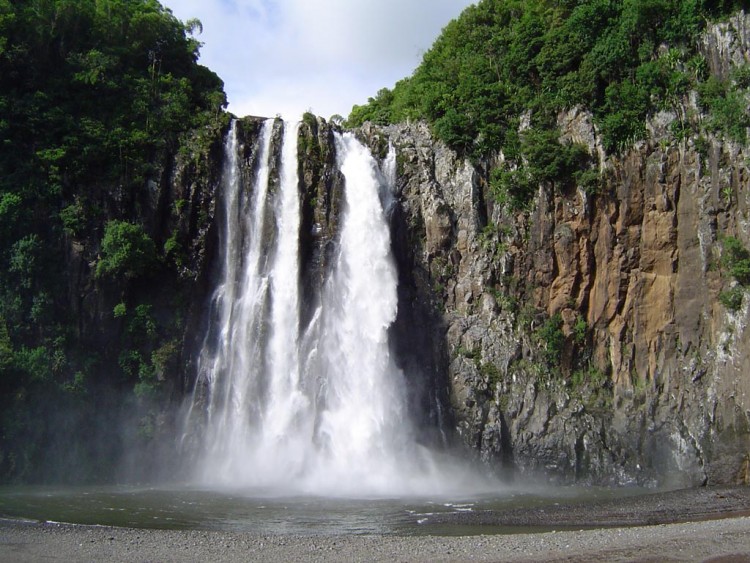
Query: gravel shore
[[718, 539]]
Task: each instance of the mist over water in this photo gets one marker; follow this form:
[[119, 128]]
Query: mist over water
[[318, 409]]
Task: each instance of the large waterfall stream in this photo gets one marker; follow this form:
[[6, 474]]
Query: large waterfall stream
[[320, 408]]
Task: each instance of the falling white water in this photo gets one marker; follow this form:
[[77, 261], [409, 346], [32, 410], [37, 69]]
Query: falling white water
[[319, 409], [364, 434], [286, 422], [230, 360]]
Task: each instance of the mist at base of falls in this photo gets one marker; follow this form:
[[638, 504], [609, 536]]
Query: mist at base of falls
[[316, 407]]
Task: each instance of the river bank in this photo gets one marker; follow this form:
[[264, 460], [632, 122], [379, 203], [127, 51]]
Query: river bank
[[692, 525]]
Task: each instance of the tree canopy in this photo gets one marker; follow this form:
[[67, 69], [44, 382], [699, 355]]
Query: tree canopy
[[502, 58], [95, 97]]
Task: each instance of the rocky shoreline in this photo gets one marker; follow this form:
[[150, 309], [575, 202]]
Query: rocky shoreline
[[702, 524]]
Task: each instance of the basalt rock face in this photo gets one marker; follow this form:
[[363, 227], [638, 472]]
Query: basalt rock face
[[585, 339], [321, 192], [121, 433]]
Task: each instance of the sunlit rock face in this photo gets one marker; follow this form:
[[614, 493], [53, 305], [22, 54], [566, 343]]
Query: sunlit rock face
[[650, 384]]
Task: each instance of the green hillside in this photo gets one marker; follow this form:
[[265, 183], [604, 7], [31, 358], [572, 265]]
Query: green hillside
[[622, 60], [96, 99]]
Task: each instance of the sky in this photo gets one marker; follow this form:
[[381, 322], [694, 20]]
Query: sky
[[287, 57]]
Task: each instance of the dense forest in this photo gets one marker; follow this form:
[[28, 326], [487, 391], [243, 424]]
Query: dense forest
[[96, 99], [503, 60]]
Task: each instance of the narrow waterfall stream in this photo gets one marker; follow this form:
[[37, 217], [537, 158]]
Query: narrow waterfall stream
[[321, 408]]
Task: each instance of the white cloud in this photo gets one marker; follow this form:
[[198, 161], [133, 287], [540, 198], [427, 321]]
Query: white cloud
[[287, 56]]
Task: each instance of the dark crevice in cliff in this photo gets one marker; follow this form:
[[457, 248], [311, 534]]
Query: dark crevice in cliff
[[417, 341]]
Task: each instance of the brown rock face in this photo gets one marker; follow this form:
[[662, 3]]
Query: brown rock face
[[585, 338]]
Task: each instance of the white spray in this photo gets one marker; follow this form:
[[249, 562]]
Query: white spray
[[319, 409]]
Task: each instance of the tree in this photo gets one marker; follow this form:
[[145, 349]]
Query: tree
[[126, 251]]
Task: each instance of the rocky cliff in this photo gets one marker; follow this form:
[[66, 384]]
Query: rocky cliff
[[585, 338]]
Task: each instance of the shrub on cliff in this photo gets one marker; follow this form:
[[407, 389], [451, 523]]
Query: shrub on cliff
[[552, 338], [126, 251], [545, 159], [736, 259]]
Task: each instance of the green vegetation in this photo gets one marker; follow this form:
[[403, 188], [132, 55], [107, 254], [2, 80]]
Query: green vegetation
[[551, 335], [732, 297], [595, 389], [491, 374], [725, 101], [473, 354], [735, 260], [145, 355], [545, 159], [589, 376], [126, 251], [580, 330], [503, 58], [309, 145], [96, 99]]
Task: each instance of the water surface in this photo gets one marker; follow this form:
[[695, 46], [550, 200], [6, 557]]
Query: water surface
[[263, 512]]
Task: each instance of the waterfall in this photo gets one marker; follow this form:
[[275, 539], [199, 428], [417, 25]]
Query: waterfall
[[233, 351], [321, 408]]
